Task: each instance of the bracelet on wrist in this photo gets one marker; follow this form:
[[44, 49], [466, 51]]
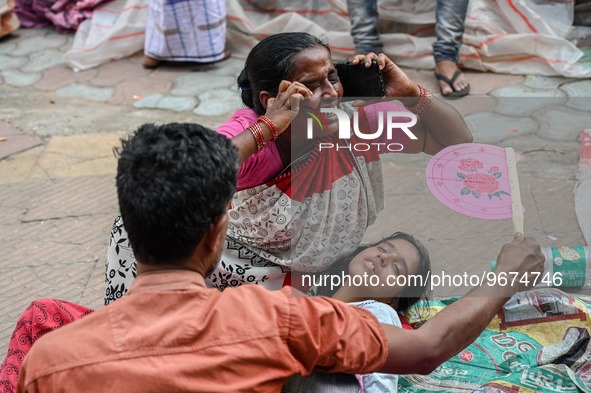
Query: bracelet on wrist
[[424, 103], [271, 126], [259, 137]]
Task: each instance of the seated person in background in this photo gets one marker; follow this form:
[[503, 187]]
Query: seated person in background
[[401, 265], [172, 334]]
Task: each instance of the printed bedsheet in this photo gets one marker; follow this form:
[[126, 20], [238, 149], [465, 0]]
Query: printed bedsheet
[[538, 342]]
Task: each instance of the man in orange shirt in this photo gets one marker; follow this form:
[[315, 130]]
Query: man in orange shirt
[[172, 334]]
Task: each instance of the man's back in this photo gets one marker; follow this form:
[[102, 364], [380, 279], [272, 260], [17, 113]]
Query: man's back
[[170, 333]]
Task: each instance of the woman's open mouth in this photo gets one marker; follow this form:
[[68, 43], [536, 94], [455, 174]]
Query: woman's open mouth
[[330, 117], [372, 265]]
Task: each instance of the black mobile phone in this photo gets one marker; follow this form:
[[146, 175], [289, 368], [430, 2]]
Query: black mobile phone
[[361, 81]]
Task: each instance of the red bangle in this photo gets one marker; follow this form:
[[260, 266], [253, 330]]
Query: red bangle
[[270, 124], [259, 137], [424, 103]]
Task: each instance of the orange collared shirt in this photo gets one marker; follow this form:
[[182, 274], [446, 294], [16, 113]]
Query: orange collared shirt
[[172, 334]]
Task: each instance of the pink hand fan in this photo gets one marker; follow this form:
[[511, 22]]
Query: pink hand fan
[[475, 180]]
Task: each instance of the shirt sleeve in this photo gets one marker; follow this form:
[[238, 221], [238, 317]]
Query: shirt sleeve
[[260, 167], [331, 336]]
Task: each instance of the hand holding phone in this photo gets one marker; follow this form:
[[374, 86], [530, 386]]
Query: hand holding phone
[[359, 81]]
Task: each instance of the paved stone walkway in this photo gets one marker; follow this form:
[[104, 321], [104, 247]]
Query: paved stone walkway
[[35, 58], [58, 201]]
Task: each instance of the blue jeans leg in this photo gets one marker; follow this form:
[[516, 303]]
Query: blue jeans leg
[[363, 16], [449, 28]]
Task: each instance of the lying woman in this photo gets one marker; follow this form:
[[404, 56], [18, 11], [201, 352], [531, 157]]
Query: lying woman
[[298, 207], [400, 265]]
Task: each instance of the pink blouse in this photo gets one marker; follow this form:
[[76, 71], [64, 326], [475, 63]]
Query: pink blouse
[[260, 167], [264, 165]]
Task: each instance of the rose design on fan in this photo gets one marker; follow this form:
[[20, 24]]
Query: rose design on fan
[[470, 165], [478, 183]]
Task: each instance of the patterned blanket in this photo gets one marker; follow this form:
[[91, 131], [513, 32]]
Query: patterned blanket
[[538, 342]]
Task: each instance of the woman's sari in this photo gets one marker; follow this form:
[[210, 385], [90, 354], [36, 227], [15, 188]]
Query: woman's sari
[[307, 217]]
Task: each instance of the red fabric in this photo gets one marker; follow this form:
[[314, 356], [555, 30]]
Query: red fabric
[[404, 322], [261, 167], [42, 316], [321, 169]]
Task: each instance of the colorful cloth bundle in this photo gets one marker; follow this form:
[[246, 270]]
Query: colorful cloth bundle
[[65, 15], [540, 341]]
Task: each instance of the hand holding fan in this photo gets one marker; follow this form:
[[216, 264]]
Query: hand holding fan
[[475, 180]]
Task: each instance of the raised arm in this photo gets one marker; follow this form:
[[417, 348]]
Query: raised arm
[[279, 110], [459, 324], [439, 126]]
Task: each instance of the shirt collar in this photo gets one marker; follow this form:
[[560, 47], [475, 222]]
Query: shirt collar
[[167, 280]]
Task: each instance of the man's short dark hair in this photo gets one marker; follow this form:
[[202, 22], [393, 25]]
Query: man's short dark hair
[[172, 181]]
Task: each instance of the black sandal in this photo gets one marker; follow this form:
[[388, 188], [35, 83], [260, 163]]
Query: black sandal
[[455, 93]]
